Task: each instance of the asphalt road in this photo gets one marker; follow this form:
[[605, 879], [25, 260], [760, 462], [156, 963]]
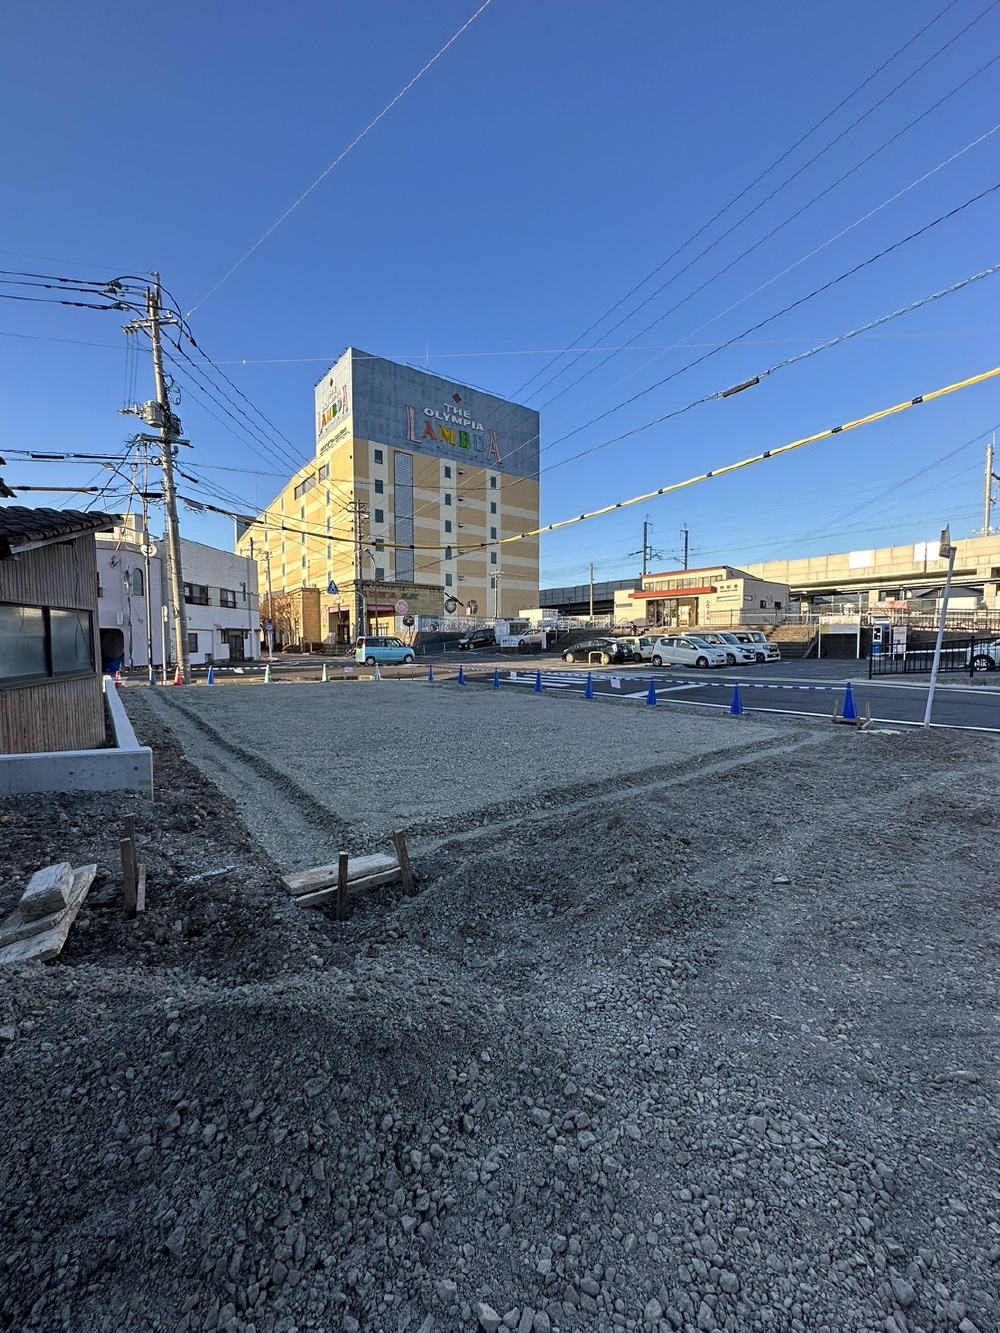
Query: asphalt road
[[803, 687], [811, 688]]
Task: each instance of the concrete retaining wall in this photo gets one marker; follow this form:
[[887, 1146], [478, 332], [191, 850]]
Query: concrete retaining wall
[[126, 767]]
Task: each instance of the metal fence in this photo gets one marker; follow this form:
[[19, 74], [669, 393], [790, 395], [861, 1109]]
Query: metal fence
[[964, 656]]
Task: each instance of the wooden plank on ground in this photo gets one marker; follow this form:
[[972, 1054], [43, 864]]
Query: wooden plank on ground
[[353, 886], [41, 945], [321, 877], [47, 891], [343, 877], [140, 893]]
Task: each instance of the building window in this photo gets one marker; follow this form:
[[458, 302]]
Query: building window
[[379, 573], [37, 643], [135, 582], [196, 594], [379, 515], [777, 606], [447, 580], [380, 488], [192, 642], [447, 471], [493, 506], [304, 561], [447, 497], [324, 472], [379, 544], [493, 483], [493, 534], [302, 514], [447, 553], [447, 525], [227, 597], [493, 557], [379, 456]]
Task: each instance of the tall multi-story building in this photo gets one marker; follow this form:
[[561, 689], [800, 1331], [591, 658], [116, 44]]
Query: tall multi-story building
[[415, 485]]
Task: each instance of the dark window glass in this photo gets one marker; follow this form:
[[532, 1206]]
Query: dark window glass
[[379, 515], [72, 649], [137, 583], [227, 597], [379, 487], [22, 642], [192, 642]]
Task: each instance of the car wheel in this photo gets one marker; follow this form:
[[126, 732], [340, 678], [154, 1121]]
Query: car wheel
[[761, 657], [369, 661], [731, 659], [605, 659], [570, 657], [407, 659], [657, 661], [701, 662], [983, 663]]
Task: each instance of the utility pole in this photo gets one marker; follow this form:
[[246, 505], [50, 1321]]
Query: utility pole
[[991, 477], [684, 534], [359, 511], [159, 415], [645, 547], [591, 590], [169, 432], [147, 551], [270, 605]]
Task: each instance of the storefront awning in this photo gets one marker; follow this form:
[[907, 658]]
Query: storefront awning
[[672, 594]]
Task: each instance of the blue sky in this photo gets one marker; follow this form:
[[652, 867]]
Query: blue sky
[[554, 157]]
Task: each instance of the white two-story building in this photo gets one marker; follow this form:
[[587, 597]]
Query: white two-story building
[[135, 610]]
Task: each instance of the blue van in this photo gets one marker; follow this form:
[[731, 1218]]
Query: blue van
[[385, 650]]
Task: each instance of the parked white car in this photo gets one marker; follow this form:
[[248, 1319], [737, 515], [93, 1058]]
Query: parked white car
[[984, 656], [737, 654], [687, 651], [641, 645], [766, 651]]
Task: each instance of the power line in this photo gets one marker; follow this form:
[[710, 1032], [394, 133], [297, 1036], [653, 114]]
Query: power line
[[793, 305], [757, 458], [319, 179], [746, 190]]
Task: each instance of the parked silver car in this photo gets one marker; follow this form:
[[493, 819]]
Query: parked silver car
[[737, 653], [687, 650]]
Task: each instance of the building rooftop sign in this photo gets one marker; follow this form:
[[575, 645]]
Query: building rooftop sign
[[368, 398]]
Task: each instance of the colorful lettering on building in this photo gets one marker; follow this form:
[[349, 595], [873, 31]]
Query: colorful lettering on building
[[429, 432], [494, 454], [456, 427], [447, 434]]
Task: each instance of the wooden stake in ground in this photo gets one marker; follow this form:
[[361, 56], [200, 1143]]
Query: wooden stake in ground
[[403, 857], [133, 874], [342, 865]]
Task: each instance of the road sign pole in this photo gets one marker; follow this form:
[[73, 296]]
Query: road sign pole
[[945, 549]]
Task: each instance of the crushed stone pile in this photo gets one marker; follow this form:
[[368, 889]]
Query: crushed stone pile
[[692, 1061]]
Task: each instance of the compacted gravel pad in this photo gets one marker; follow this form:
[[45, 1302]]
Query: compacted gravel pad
[[690, 1026]]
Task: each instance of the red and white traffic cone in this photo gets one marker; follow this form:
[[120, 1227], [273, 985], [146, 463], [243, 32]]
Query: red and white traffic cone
[[118, 680], [178, 679]]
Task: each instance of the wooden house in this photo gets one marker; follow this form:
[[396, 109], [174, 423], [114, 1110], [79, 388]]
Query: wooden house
[[50, 677]]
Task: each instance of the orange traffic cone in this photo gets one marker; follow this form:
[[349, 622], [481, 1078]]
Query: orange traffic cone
[[178, 679], [118, 680]]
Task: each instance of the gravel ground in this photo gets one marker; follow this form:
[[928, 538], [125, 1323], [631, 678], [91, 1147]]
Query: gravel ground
[[703, 1043]]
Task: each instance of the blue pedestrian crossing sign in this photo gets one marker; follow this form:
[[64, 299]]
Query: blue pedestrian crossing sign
[[332, 589]]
